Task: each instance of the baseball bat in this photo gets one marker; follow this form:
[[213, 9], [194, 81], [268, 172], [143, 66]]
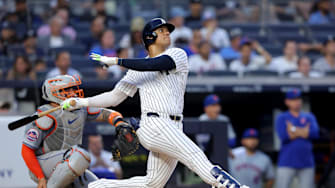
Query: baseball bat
[[21, 122]]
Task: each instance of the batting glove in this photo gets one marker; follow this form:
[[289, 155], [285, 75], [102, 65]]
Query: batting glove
[[74, 103], [109, 61]]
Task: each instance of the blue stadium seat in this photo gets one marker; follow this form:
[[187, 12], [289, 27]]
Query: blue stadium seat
[[6, 62], [74, 50], [81, 26], [330, 73], [80, 62], [246, 28], [220, 73], [327, 29], [274, 50], [42, 75], [262, 73]]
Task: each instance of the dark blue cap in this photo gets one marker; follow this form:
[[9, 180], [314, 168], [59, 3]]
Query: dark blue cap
[[211, 99], [250, 133], [294, 93], [245, 41]]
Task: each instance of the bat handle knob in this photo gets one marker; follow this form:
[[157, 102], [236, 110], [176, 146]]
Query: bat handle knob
[[73, 102]]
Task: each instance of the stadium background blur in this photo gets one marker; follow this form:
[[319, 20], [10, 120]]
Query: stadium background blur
[[36, 36]]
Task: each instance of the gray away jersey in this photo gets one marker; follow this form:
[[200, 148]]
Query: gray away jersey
[[251, 170], [58, 130], [159, 91]]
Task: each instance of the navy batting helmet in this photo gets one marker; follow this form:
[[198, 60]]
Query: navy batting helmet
[[148, 34]]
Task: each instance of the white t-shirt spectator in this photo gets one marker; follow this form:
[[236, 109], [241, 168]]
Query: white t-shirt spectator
[[219, 38], [106, 157], [322, 65], [281, 64], [312, 74], [55, 72], [181, 32], [256, 63], [214, 62]]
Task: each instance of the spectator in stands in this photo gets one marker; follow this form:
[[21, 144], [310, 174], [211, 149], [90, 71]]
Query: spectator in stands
[[193, 46], [55, 39], [288, 61], [218, 37], [321, 13], [212, 109], [206, 60], [232, 51], [22, 70], [7, 38], [250, 165], [101, 160], [40, 66], [25, 16], [96, 30], [327, 62], [181, 32], [304, 69], [194, 18], [99, 9], [249, 62], [29, 47], [238, 11], [66, 29], [133, 41], [63, 63], [106, 45], [296, 129]]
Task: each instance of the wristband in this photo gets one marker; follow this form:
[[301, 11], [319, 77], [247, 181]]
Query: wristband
[[113, 116]]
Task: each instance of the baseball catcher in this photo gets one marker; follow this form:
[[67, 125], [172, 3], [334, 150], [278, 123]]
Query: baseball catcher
[[51, 147]]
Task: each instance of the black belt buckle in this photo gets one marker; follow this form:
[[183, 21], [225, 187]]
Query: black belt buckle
[[175, 118]]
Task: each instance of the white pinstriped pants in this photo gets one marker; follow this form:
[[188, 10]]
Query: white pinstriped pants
[[168, 145]]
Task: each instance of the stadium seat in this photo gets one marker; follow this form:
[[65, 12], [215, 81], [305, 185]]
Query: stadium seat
[[246, 28], [74, 50], [81, 26], [6, 62], [330, 73], [262, 73], [328, 29], [220, 73], [41, 75]]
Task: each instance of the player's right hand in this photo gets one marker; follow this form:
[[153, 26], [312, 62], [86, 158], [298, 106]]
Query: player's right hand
[[109, 61], [42, 183], [74, 103]]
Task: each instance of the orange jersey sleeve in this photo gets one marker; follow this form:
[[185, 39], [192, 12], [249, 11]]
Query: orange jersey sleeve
[[30, 159]]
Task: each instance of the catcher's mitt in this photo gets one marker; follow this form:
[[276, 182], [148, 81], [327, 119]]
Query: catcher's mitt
[[126, 142]]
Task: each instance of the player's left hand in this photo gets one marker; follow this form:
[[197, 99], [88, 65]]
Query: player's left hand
[[69, 105], [126, 142], [109, 61], [42, 183]]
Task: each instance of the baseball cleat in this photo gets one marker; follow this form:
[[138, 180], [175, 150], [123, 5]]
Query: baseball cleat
[[225, 180]]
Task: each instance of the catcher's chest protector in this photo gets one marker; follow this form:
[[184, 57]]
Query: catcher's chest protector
[[67, 131]]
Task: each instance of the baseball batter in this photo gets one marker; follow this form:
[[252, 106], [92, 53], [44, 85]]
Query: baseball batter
[[161, 80], [50, 147]]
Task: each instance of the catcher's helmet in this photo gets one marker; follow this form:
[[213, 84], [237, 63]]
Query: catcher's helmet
[[148, 34], [61, 87]]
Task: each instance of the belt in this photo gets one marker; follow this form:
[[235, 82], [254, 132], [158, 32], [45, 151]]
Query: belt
[[172, 117]]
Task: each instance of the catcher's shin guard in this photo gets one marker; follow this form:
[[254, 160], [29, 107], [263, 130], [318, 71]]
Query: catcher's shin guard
[[224, 180], [75, 162]]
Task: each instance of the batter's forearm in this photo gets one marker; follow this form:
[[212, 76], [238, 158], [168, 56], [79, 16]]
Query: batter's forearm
[[107, 99]]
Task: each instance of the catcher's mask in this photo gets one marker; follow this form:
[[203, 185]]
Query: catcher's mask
[[61, 87]]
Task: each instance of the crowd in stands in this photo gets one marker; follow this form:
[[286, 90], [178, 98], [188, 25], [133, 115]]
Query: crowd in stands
[[200, 30]]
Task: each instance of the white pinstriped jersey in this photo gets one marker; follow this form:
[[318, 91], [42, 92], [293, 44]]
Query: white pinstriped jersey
[[159, 91]]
